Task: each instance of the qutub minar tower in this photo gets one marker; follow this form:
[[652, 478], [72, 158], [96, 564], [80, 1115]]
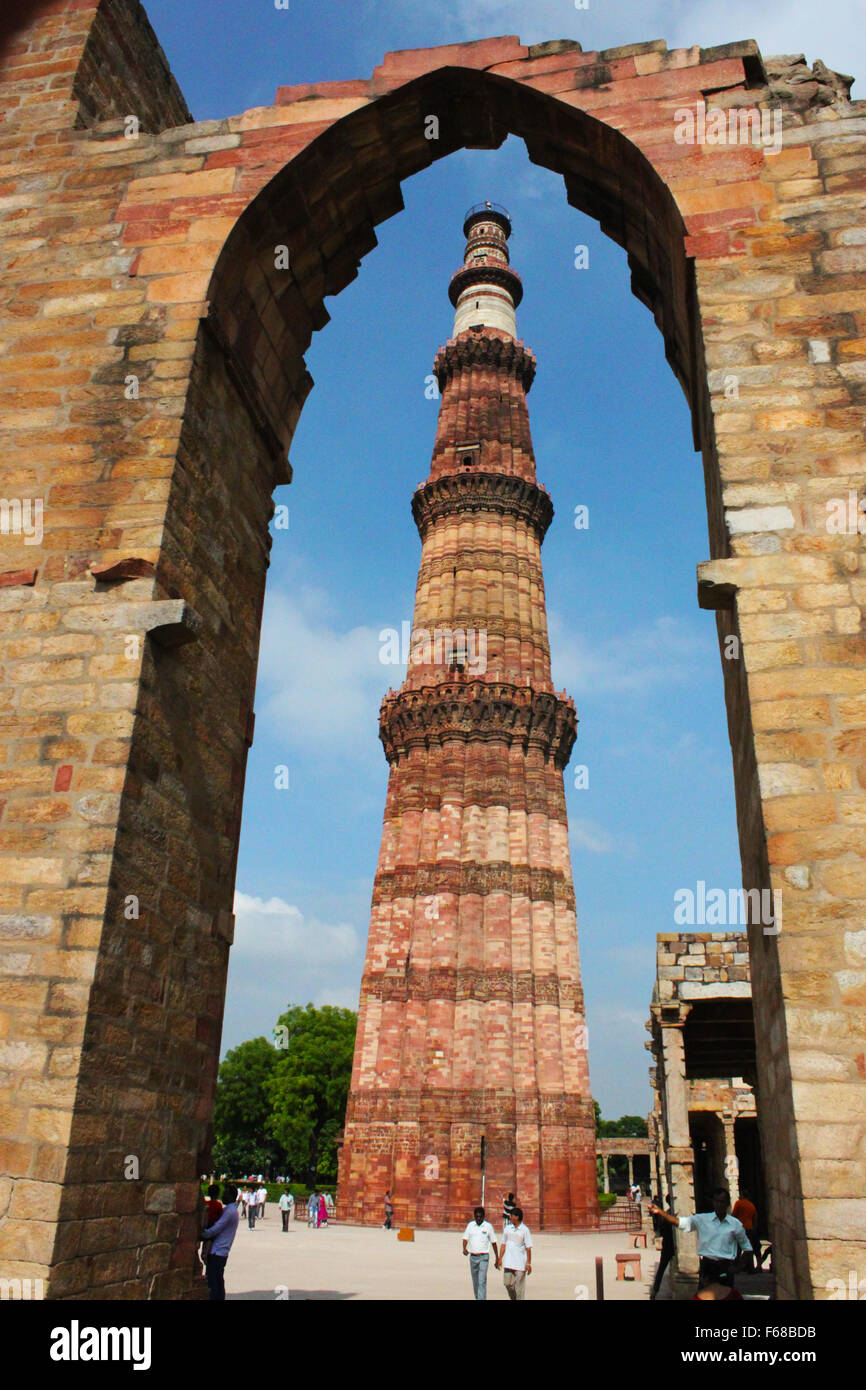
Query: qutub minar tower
[[470, 1061]]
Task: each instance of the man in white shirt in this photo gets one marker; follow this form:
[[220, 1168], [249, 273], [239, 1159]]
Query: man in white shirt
[[477, 1240], [516, 1256], [261, 1198], [287, 1206]]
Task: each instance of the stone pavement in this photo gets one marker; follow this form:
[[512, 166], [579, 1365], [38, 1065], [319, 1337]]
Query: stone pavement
[[340, 1262]]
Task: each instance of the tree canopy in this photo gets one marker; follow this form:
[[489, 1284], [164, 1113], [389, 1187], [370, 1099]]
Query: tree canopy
[[243, 1140], [309, 1086], [626, 1127], [280, 1106]]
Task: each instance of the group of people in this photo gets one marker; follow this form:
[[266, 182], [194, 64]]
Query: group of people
[[223, 1216], [251, 1201], [514, 1258], [320, 1205]]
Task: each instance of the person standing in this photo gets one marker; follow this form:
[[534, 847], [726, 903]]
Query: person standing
[[516, 1256], [261, 1198], [221, 1236], [252, 1206], [213, 1209], [312, 1209], [508, 1206], [478, 1238], [287, 1206], [389, 1210], [323, 1210], [213, 1203], [747, 1214], [665, 1231], [720, 1238]]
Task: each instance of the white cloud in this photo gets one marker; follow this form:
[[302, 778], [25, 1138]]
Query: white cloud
[[281, 957], [587, 834], [660, 653], [317, 684], [277, 931]]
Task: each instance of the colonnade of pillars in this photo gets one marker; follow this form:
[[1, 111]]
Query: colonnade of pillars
[[654, 1172]]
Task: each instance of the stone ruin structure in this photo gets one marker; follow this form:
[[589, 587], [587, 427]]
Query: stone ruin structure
[[152, 373], [702, 1040]]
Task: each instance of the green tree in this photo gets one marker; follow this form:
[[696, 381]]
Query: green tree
[[243, 1137], [309, 1086], [626, 1127]]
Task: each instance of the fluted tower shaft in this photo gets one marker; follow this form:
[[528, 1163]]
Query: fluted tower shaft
[[470, 1065]]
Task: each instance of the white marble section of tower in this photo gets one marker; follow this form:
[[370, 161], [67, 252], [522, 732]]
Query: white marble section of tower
[[486, 295]]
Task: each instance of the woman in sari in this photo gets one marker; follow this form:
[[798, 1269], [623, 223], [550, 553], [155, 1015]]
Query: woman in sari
[[323, 1210]]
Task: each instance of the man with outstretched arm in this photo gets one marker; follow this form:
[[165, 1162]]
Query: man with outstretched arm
[[721, 1238]]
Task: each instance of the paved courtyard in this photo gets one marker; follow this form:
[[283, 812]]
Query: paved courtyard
[[339, 1262]]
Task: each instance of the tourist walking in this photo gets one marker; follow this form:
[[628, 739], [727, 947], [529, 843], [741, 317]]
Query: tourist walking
[[478, 1238], [516, 1256], [312, 1209], [221, 1235], [389, 1211], [251, 1206], [261, 1198], [287, 1207], [720, 1238], [323, 1210]]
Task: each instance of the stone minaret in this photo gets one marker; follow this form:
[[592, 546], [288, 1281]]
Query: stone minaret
[[470, 1061]]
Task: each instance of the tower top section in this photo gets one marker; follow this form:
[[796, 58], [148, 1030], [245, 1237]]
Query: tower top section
[[485, 291]]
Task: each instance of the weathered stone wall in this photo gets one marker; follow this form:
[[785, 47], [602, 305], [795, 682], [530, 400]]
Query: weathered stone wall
[[692, 1077], [114, 252]]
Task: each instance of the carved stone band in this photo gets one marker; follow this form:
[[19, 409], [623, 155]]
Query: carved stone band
[[504, 354], [456, 493], [515, 986], [478, 711], [462, 879], [430, 1104]]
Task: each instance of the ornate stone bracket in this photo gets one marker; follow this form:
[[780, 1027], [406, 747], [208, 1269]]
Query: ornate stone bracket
[[454, 493], [486, 349], [478, 711]]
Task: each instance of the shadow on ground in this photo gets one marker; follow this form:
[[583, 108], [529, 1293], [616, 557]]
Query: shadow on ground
[[292, 1295]]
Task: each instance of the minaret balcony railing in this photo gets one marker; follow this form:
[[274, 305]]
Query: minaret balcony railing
[[478, 711], [486, 274], [456, 493]]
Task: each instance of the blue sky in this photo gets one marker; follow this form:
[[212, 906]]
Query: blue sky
[[611, 431]]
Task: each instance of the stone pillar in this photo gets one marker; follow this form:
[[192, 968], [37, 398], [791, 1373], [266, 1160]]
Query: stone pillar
[[630, 1170], [606, 1173], [731, 1175], [655, 1184], [684, 1268]]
